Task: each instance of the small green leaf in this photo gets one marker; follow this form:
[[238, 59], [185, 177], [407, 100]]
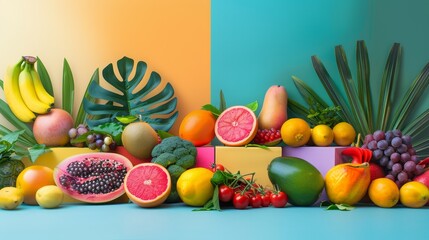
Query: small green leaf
[[341, 207], [218, 178], [213, 203], [253, 106], [37, 150], [163, 134], [68, 88], [113, 129], [127, 119], [222, 104], [12, 137], [257, 145], [215, 111]]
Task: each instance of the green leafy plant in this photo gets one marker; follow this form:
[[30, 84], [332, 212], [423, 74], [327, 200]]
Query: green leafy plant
[[318, 111], [128, 97], [394, 107]]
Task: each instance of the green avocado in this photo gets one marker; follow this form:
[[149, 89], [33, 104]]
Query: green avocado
[[301, 181]]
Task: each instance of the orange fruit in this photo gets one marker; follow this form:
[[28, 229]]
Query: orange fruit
[[198, 127], [414, 194], [322, 135], [147, 184], [31, 179], [295, 132], [344, 134], [236, 126], [383, 192]]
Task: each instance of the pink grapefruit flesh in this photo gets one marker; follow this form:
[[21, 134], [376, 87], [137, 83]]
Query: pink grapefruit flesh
[[148, 184], [236, 126]]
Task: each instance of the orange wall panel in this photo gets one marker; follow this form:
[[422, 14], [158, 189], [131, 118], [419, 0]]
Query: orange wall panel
[[171, 36]]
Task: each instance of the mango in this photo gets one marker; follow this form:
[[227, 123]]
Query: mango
[[300, 180]]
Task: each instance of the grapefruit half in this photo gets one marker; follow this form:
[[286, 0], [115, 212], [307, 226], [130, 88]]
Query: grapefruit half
[[236, 126], [148, 184]]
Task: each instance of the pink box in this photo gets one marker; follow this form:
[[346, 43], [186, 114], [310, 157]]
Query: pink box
[[205, 157], [323, 158]]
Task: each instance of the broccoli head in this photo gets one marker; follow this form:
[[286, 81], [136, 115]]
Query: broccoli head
[[177, 155]]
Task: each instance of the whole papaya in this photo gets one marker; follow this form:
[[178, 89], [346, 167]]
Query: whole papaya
[[300, 180], [347, 183]]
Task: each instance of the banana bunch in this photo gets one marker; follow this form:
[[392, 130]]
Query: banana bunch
[[24, 91]]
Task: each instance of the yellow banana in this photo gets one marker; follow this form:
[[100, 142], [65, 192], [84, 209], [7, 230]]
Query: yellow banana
[[13, 95], [41, 92], [28, 92]]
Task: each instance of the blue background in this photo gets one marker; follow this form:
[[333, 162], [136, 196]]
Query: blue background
[[256, 44]]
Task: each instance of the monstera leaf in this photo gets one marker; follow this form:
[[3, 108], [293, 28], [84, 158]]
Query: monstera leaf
[[130, 96]]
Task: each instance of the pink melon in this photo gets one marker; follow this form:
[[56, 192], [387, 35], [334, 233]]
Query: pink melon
[[52, 128], [93, 177]]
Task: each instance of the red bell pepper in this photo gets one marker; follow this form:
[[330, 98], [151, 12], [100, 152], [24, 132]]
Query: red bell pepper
[[358, 155]]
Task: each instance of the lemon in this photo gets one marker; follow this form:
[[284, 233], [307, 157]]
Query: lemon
[[344, 134], [11, 197], [194, 186], [414, 194], [295, 132], [322, 135], [49, 196]]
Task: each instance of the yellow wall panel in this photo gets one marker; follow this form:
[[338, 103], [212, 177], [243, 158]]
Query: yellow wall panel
[[171, 36]]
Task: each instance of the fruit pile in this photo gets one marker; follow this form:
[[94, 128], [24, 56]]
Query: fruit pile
[[163, 167]]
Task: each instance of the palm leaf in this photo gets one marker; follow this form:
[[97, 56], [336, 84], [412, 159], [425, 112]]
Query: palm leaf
[[361, 114], [310, 96], [410, 99], [81, 114], [44, 77], [358, 114], [420, 124], [18, 124], [390, 73], [68, 88], [156, 108], [331, 89], [363, 79], [222, 104], [298, 109]]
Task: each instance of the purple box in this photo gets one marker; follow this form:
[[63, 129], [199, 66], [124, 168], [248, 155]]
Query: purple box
[[323, 158], [205, 157]]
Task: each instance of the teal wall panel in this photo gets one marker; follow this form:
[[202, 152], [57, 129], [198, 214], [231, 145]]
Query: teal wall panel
[[256, 44], [405, 22]]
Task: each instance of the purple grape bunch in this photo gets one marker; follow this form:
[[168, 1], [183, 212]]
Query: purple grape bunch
[[74, 133], [100, 141], [93, 140], [394, 152]]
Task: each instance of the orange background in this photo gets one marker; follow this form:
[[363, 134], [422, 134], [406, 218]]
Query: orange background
[[171, 36]]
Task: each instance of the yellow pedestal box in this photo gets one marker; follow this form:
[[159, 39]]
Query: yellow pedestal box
[[248, 160]]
